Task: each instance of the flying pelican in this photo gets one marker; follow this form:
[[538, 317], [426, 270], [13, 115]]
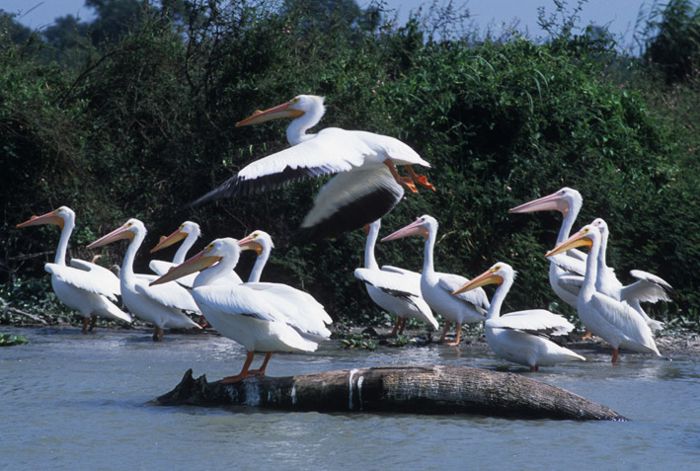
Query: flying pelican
[[367, 185], [84, 286], [565, 270], [306, 314], [161, 305], [437, 288], [190, 232], [239, 312], [647, 288], [612, 320], [522, 336], [393, 289]]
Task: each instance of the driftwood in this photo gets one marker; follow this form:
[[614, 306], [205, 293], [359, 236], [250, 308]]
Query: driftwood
[[410, 389]]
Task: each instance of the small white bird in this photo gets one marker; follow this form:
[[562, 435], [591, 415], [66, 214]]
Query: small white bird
[[393, 289], [612, 320], [239, 312], [84, 286], [190, 232], [648, 287], [367, 185], [162, 306], [522, 336], [437, 288]]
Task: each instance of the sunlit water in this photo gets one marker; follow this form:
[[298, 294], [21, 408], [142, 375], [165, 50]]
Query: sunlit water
[[70, 401]]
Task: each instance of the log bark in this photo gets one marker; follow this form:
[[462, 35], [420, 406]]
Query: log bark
[[407, 389]]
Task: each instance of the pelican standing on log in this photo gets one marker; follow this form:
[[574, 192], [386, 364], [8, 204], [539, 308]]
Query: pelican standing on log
[[437, 288], [612, 320], [307, 315], [393, 289], [522, 336], [367, 186], [162, 306], [239, 312], [84, 286]]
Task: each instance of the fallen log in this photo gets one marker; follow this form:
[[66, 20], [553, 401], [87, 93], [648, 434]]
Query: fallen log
[[407, 389]]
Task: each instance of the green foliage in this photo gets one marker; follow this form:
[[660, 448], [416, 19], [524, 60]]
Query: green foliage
[[147, 126], [675, 46]]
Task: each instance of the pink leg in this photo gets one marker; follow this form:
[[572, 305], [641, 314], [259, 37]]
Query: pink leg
[[244, 371], [458, 335]]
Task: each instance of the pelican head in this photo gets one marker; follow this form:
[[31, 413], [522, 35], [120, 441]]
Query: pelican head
[[128, 230], [58, 217], [421, 226], [185, 229], [602, 226], [260, 241], [496, 275], [209, 256], [565, 200], [583, 238], [294, 108]]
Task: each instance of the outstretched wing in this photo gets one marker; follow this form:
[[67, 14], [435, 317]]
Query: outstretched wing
[[350, 200], [331, 151], [649, 288]]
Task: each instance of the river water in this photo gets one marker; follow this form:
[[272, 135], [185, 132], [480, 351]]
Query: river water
[[69, 401]]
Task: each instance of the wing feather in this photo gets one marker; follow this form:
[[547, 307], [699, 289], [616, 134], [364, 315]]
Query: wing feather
[[106, 277], [170, 294], [625, 320], [81, 279], [476, 297], [538, 321]]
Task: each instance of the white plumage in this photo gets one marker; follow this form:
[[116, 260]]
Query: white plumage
[[397, 292], [364, 161], [521, 336], [240, 312], [612, 320], [161, 306], [648, 288], [565, 270], [437, 288], [84, 286]]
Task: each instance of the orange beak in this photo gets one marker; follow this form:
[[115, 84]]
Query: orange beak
[[276, 112], [579, 239], [193, 264], [119, 233], [173, 238], [48, 218], [486, 278], [248, 243]]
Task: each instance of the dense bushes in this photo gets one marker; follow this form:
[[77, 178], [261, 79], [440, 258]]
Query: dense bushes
[[148, 126]]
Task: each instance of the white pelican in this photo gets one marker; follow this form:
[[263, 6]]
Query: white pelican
[[612, 320], [84, 286], [190, 232], [565, 270], [437, 288], [239, 312], [162, 306], [394, 290], [522, 336], [306, 314], [648, 288], [367, 185]]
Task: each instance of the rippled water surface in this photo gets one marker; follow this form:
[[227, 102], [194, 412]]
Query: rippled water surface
[[70, 401]]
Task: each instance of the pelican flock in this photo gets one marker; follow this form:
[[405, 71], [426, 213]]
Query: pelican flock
[[267, 317]]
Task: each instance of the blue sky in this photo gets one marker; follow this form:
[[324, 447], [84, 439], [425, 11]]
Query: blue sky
[[619, 15]]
